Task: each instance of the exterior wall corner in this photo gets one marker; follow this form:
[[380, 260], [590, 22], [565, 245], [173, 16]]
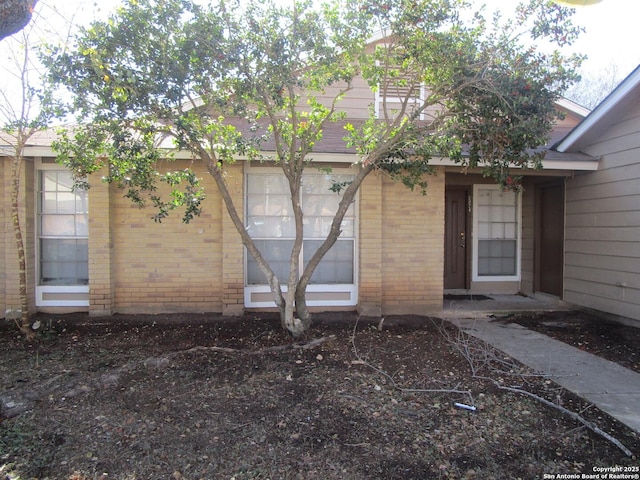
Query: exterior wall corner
[[232, 247], [101, 271]]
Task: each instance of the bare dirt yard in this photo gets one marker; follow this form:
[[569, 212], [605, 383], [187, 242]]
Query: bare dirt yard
[[207, 397]]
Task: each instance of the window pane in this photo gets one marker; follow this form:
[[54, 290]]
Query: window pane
[[64, 261], [49, 181], [269, 216], [82, 204], [65, 181], [49, 202], [66, 202], [82, 225], [277, 253], [58, 225], [497, 232], [336, 266], [63, 213], [497, 257]]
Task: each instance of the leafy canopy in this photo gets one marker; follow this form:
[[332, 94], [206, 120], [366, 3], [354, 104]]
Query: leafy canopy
[[231, 79]]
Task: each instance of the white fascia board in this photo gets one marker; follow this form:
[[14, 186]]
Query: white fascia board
[[578, 165], [348, 158], [581, 165], [39, 151], [573, 107]]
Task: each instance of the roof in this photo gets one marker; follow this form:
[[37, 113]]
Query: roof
[[332, 142], [608, 112]]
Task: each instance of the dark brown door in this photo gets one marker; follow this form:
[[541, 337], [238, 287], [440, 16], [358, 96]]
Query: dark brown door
[[551, 239], [456, 238]]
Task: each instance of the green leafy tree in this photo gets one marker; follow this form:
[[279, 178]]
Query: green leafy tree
[[222, 79]]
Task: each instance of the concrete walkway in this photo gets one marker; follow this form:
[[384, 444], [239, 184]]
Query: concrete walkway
[[612, 388]]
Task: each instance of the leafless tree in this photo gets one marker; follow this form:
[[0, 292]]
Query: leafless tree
[[595, 86]]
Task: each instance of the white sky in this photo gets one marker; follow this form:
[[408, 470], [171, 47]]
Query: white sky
[[611, 37], [611, 34]]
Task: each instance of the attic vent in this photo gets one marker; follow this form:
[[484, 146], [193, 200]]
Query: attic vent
[[394, 92], [399, 88], [48, 160]]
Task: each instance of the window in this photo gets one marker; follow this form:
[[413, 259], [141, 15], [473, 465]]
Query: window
[[497, 234], [62, 231], [271, 224]]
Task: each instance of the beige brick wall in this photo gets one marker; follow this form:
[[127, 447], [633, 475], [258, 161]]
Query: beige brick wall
[[412, 247], [370, 240], [4, 210], [101, 271], [233, 250], [168, 266], [137, 265]]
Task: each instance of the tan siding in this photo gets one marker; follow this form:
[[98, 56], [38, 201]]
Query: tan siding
[[603, 225], [356, 101], [412, 246], [604, 219], [610, 235], [628, 249], [604, 262], [621, 137], [614, 183]]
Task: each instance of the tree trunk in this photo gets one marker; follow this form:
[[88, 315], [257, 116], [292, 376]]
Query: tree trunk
[[272, 279], [24, 324], [304, 316]]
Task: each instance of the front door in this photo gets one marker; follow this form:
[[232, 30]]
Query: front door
[[456, 238], [550, 251]]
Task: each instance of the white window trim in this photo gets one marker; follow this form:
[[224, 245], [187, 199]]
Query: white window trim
[[474, 268], [348, 288], [42, 290]]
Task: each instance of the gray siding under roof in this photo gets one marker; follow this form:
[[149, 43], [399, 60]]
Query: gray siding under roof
[[602, 238]]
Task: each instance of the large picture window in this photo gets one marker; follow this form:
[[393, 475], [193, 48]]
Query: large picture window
[[497, 234], [270, 221], [62, 231]]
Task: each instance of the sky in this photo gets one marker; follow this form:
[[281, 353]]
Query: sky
[[611, 35]]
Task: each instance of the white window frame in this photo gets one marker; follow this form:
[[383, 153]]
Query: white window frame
[[351, 290], [43, 291], [475, 229]]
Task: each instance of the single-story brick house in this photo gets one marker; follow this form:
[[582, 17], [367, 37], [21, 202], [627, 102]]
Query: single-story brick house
[[399, 252]]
